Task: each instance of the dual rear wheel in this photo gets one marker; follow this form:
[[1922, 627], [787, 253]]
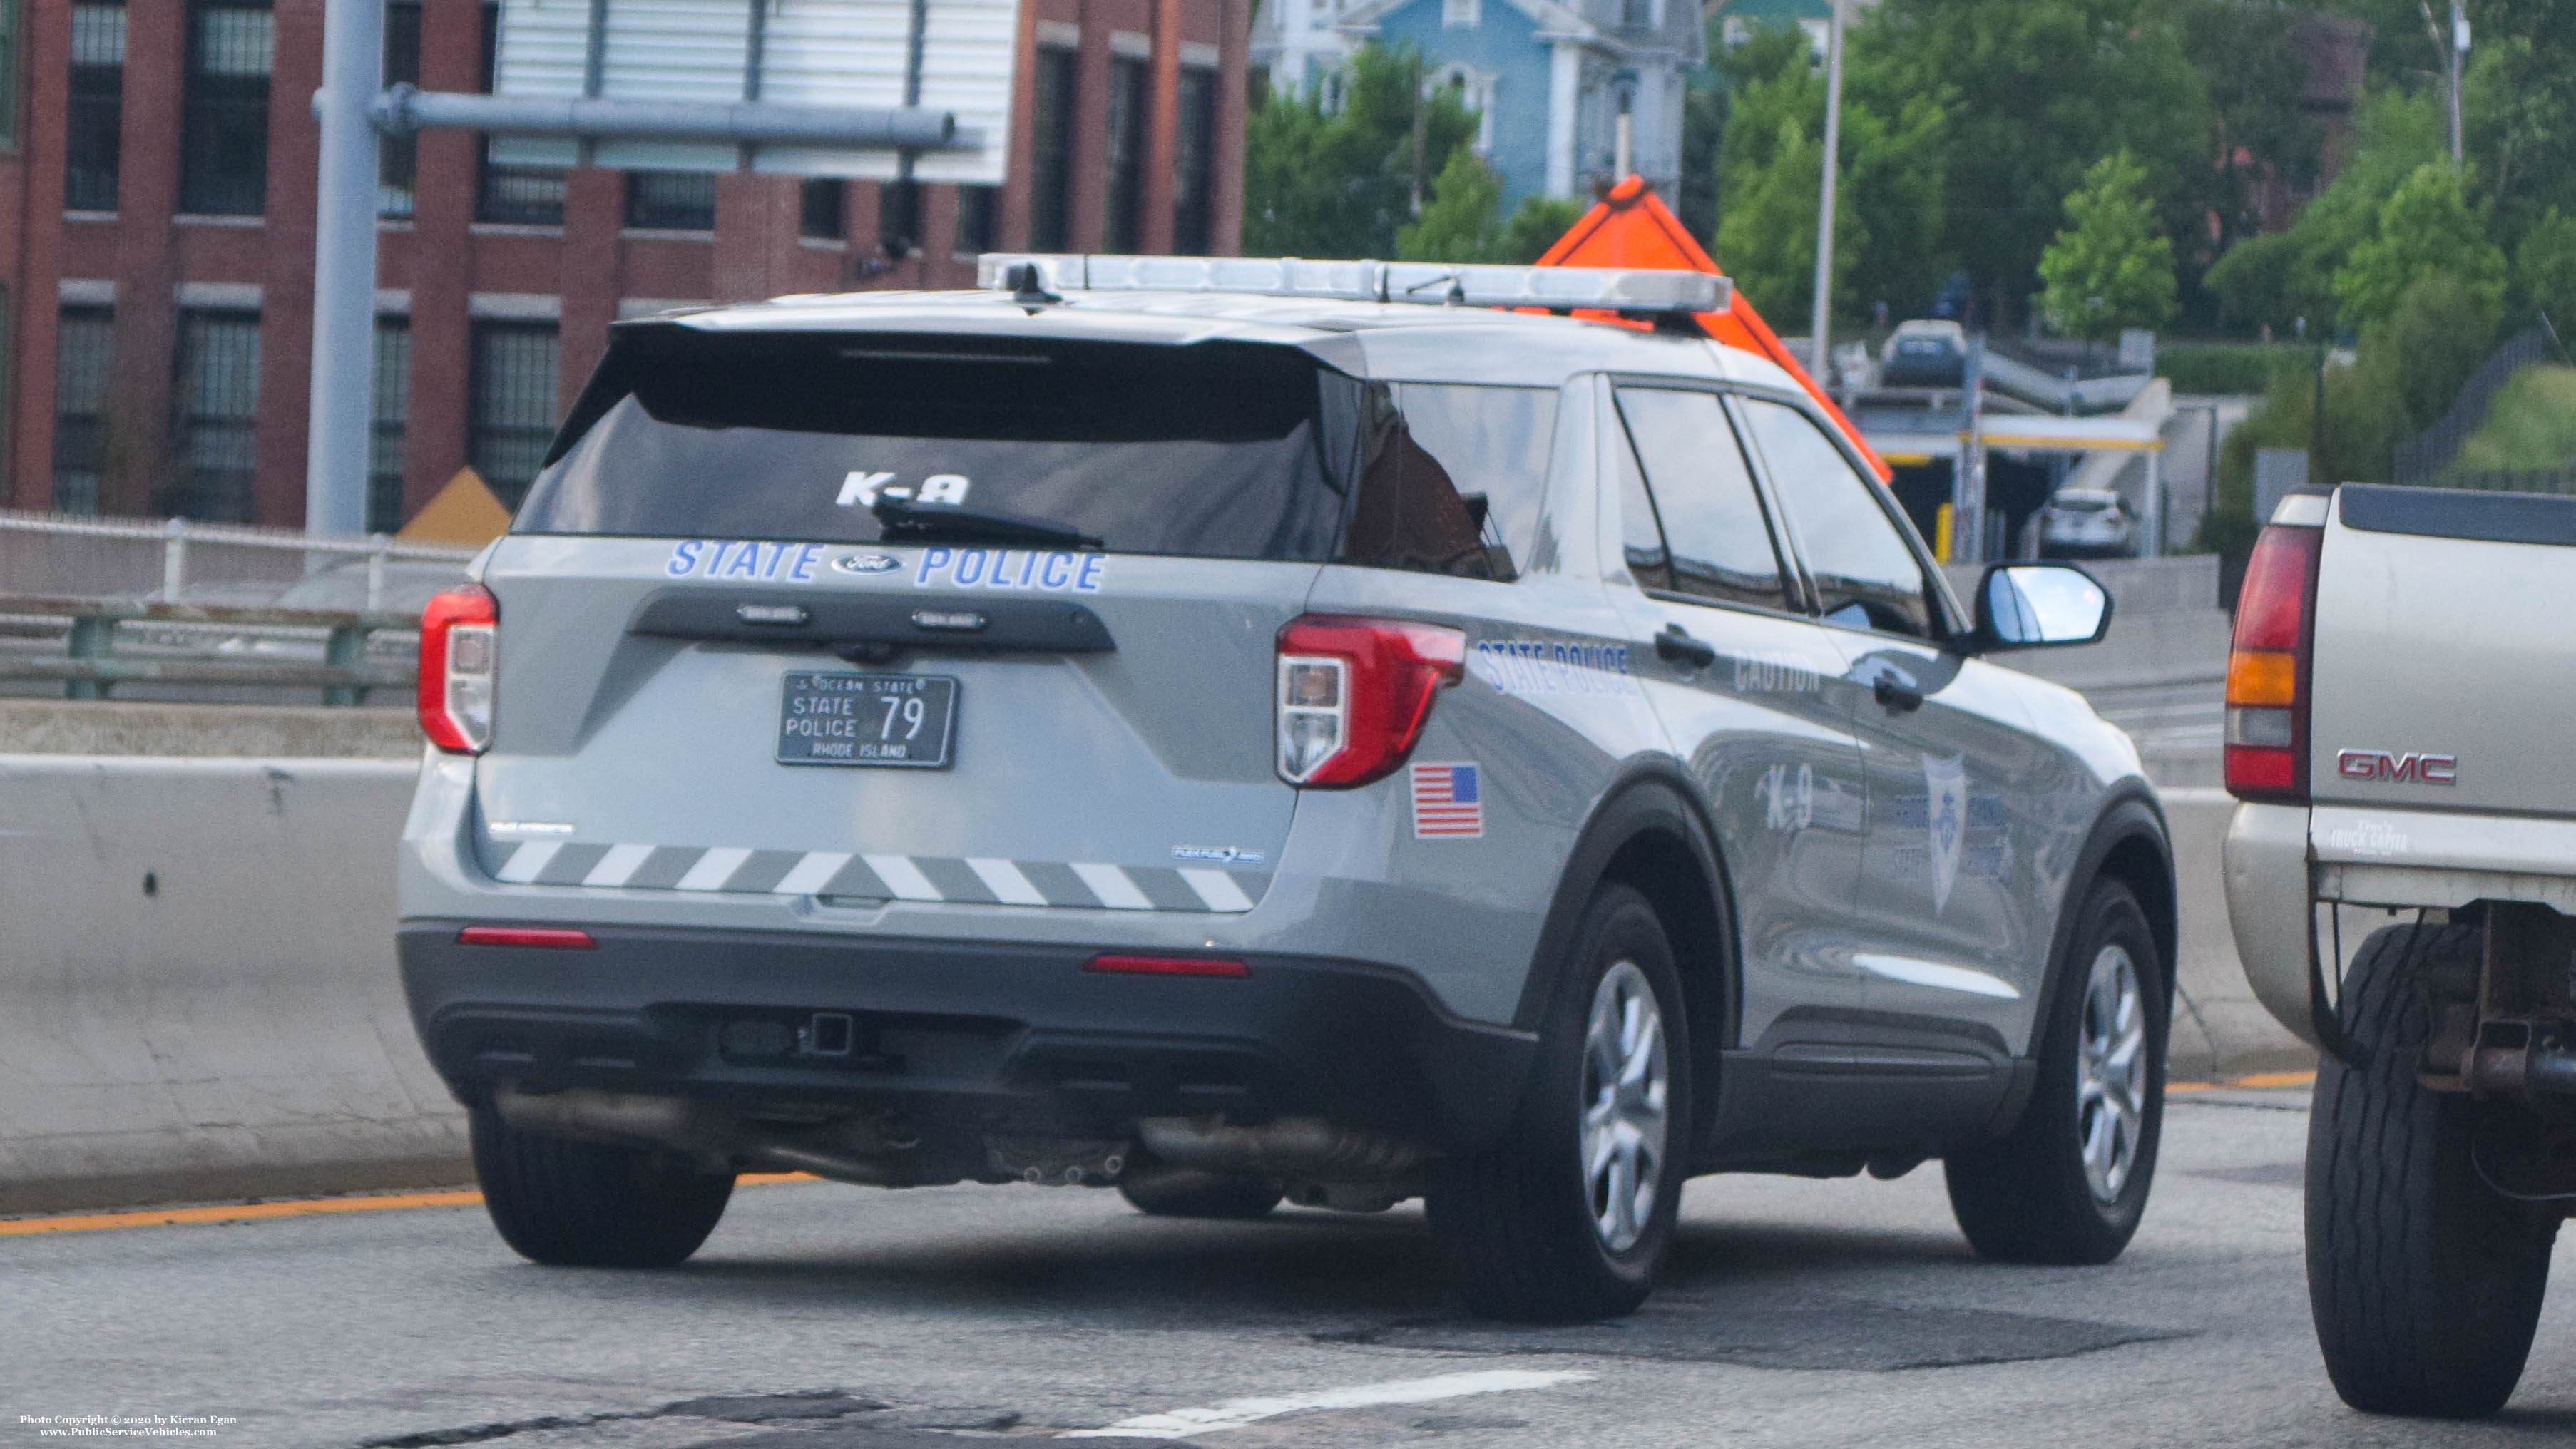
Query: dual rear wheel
[[2425, 1281]]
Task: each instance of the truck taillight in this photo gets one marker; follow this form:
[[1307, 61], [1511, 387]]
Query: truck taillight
[[458, 645], [1354, 693], [2267, 667]]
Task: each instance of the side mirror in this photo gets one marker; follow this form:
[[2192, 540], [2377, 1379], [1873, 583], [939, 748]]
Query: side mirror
[[2033, 606]]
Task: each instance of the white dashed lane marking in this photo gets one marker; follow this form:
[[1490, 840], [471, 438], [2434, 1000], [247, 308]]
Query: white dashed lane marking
[[1235, 1413]]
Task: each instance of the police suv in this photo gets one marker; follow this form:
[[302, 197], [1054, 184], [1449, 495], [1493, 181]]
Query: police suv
[[1243, 730]]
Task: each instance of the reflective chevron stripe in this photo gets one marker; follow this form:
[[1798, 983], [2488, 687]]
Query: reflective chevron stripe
[[983, 880]]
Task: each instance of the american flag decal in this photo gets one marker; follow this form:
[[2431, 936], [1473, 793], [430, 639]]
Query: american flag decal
[[1447, 801]]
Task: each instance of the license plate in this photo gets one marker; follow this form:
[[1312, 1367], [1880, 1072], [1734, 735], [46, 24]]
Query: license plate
[[900, 720]]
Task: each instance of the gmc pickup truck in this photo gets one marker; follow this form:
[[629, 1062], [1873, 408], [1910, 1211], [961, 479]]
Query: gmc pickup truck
[[2402, 678]]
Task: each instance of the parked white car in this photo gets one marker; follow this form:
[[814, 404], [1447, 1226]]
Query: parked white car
[[2087, 523]]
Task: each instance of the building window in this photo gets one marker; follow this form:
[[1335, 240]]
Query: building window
[[1194, 163], [92, 111], [1476, 93], [671, 200], [899, 218], [1129, 87], [217, 452], [11, 29], [81, 351], [385, 438], [512, 195], [978, 208], [223, 140], [1461, 14], [821, 208], [511, 419], [1051, 153], [398, 157], [520, 196]]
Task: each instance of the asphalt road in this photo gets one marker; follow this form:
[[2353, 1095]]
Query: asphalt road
[[826, 1317]]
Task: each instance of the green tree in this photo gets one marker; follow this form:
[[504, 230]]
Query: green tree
[[1459, 218], [2281, 278], [2044, 88], [2436, 335], [2544, 269], [2426, 225], [1535, 226], [1340, 184], [2260, 130], [1770, 160], [2517, 102], [1766, 220], [2110, 269]]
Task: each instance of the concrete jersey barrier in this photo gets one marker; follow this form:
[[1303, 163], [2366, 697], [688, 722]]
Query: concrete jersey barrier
[[198, 992], [198, 995]]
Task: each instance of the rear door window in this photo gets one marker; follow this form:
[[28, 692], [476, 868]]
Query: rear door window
[[1714, 527], [1484, 447], [1216, 450]]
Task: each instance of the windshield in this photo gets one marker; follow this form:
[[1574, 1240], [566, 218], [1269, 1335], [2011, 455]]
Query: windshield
[[1216, 450]]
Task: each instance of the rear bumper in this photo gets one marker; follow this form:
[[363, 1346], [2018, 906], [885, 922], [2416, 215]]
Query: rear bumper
[[2267, 906], [981, 1034]]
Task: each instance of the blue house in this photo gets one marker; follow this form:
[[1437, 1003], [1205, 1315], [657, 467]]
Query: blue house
[[1550, 80]]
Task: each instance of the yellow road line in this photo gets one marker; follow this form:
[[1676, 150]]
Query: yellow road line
[[248, 1211], [2259, 1079]]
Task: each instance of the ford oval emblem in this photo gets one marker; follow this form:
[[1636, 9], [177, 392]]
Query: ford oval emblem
[[866, 563]]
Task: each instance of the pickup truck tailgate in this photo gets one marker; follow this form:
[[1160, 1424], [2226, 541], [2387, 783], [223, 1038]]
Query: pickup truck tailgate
[[2444, 660]]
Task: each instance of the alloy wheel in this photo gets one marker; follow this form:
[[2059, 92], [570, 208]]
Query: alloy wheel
[[1627, 1084], [2111, 1073]]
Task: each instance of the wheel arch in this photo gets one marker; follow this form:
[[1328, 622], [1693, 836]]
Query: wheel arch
[[1649, 834], [2131, 844]]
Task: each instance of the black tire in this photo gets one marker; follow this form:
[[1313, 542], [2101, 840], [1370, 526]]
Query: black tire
[[1518, 1222], [591, 1205], [2028, 1197], [2425, 1283], [1167, 1192]]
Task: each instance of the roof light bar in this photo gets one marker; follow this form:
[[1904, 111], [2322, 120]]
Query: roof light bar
[[1605, 289]]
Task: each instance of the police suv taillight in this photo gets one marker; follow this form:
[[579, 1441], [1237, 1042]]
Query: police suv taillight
[[457, 653], [1355, 693], [2268, 657]]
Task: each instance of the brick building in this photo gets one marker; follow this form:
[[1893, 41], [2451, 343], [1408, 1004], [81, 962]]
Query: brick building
[[156, 237]]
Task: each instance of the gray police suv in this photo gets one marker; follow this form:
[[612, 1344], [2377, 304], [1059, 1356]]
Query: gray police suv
[[1230, 731]]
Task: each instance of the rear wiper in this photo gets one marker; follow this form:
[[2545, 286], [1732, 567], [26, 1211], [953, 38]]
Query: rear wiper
[[904, 521]]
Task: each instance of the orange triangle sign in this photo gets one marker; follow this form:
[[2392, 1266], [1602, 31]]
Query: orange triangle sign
[[1631, 227]]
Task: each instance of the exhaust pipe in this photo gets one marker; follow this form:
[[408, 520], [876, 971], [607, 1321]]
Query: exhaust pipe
[[1305, 1147], [710, 1137]]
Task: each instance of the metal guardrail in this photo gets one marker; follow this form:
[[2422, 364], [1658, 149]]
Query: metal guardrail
[[92, 663], [176, 535]]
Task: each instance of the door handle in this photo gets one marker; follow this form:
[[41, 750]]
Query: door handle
[[1675, 642], [1896, 698]]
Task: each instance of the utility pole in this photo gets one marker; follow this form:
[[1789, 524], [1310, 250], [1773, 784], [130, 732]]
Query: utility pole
[[2459, 49], [1968, 487], [1421, 126], [1825, 200], [2454, 48], [341, 422]]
